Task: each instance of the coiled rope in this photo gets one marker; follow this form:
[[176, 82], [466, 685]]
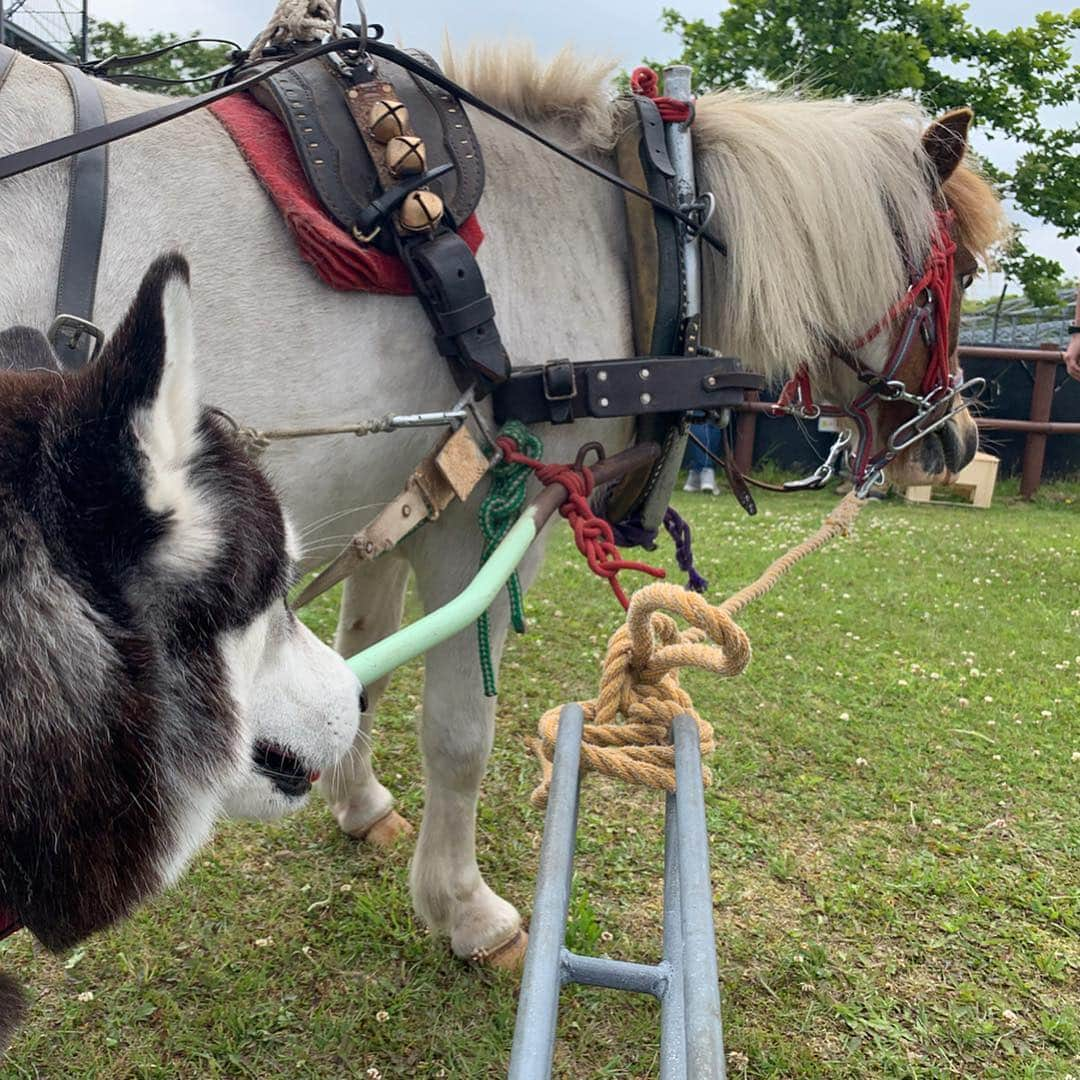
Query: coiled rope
[[296, 20], [628, 724]]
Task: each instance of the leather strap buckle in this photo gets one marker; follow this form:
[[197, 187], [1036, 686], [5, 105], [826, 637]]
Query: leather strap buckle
[[67, 332], [559, 381]]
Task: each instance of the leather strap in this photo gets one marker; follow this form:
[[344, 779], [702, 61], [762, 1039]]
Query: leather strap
[[451, 290], [560, 392], [87, 196]]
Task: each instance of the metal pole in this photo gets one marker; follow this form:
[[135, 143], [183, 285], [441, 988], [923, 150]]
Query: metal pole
[[3, 28], [677, 84], [84, 45], [611, 974], [672, 1022], [538, 1005], [701, 984]]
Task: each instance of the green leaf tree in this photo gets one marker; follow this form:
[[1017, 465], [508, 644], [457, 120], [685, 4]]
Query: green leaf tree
[[926, 49], [186, 62]]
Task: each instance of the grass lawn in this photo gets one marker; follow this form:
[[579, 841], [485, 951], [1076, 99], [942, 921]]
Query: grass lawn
[[895, 829]]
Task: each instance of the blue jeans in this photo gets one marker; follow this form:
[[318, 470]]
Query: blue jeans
[[711, 436]]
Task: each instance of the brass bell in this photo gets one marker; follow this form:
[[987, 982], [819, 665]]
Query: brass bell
[[405, 155], [388, 118], [421, 210]]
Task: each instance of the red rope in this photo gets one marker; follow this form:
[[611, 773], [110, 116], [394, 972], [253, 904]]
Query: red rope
[[593, 535], [646, 83]]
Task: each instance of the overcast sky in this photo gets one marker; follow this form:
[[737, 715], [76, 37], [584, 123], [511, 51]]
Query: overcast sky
[[627, 30]]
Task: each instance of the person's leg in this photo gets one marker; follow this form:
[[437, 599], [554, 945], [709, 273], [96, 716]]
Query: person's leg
[[696, 458], [712, 437]]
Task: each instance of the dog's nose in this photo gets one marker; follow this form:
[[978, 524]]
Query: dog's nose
[[363, 700]]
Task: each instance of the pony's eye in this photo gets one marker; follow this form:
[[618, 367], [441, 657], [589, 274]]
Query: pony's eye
[[967, 280]]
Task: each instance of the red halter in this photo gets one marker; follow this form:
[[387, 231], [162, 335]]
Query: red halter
[[927, 305]]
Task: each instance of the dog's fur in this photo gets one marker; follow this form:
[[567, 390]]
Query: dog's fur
[[145, 649]]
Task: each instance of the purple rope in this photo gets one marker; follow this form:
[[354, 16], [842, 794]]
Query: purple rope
[[679, 531]]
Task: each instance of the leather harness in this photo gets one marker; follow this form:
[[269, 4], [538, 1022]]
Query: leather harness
[[323, 94], [72, 333]]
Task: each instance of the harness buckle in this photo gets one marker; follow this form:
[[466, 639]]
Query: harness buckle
[[560, 380], [67, 331]]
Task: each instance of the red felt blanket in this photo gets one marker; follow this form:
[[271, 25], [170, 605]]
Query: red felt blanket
[[338, 259]]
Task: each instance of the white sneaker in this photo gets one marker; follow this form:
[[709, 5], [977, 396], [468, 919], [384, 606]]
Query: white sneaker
[[708, 481], [693, 481]]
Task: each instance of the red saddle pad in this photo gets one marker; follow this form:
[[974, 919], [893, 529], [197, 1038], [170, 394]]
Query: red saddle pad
[[337, 257]]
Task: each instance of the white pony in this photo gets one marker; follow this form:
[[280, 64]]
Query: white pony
[[816, 200]]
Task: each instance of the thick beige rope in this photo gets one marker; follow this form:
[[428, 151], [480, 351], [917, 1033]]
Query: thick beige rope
[[628, 724], [296, 20]]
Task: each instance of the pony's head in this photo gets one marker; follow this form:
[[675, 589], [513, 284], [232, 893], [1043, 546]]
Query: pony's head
[[852, 234]]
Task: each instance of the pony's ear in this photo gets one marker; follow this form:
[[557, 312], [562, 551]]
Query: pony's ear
[[945, 141]]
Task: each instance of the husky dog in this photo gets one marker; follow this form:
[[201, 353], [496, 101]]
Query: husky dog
[[152, 677]]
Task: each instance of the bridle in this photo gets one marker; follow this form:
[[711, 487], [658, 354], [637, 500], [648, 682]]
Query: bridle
[[926, 309]]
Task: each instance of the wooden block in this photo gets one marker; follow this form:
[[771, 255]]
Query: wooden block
[[975, 481]]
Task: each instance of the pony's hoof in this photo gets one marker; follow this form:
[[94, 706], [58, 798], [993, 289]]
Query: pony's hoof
[[509, 956], [387, 831]]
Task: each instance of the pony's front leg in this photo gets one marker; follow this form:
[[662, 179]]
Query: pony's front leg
[[371, 607], [449, 892]]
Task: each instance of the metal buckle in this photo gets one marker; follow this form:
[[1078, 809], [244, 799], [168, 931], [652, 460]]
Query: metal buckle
[[549, 366], [73, 328], [700, 210], [366, 238]]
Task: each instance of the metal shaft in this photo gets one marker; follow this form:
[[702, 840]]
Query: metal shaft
[[701, 984], [538, 1006], [672, 1029], [677, 84]]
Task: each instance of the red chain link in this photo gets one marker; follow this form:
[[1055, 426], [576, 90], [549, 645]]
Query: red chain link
[[593, 535]]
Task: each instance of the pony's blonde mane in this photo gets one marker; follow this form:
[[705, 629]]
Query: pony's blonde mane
[[980, 217], [817, 200], [571, 89]]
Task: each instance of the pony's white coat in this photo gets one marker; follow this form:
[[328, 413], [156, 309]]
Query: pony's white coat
[[805, 192]]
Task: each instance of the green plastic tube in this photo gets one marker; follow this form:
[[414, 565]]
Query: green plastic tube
[[443, 623]]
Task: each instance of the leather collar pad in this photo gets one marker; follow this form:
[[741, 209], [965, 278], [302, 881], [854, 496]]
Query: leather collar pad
[[311, 101]]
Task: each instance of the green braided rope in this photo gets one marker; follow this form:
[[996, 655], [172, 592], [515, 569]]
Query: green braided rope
[[498, 512]]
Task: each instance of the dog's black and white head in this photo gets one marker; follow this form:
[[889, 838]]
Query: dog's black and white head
[[151, 676]]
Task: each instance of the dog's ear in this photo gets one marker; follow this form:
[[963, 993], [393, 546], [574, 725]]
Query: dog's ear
[[12, 1009], [143, 426]]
